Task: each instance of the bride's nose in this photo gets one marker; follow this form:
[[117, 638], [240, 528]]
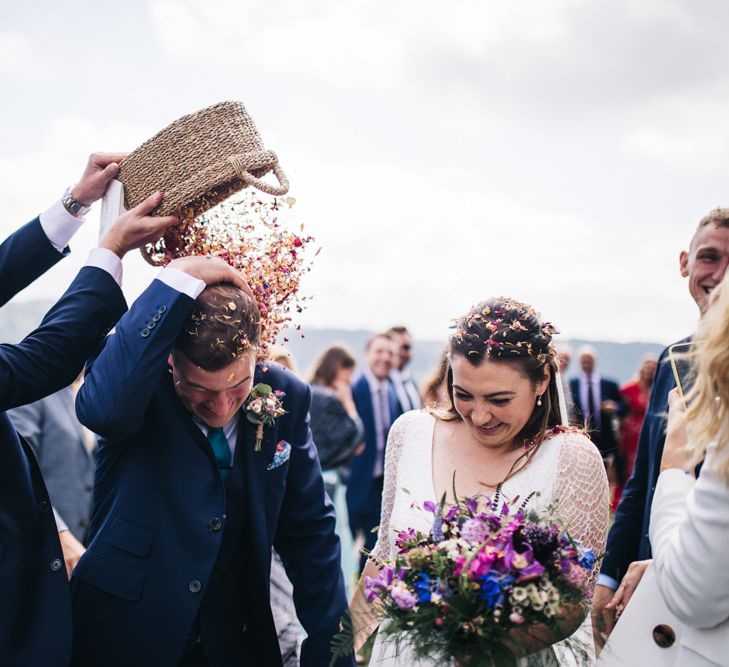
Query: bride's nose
[[481, 415]]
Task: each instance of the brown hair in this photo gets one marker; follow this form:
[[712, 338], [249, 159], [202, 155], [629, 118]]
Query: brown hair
[[719, 217], [329, 362], [224, 323], [509, 332]]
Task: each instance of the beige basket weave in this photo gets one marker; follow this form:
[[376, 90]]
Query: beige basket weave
[[200, 160]]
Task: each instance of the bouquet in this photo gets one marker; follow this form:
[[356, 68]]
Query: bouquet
[[485, 569]]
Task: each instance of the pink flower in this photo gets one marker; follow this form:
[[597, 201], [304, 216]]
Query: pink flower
[[474, 531], [403, 598]]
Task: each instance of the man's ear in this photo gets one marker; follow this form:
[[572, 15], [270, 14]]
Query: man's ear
[[171, 361], [683, 260]]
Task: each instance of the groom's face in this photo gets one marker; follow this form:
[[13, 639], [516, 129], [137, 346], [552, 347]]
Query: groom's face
[[215, 397]]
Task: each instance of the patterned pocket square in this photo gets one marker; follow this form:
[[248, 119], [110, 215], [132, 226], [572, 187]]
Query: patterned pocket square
[[283, 452]]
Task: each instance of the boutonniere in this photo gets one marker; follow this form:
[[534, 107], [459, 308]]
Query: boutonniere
[[263, 407]]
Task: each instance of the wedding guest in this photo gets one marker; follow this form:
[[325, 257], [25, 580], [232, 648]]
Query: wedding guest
[[64, 449], [629, 548], [189, 499], [564, 358], [689, 528], [597, 402], [435, 387], [402, 381], [35, 614], [335, 425], [378, 407], [635, 395], [283, 357]]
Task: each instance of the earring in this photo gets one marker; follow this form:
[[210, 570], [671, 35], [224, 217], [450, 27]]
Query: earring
[[539, 401]]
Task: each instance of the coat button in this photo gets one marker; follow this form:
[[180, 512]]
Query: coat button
[[664, 636], [88, 487], [151, 324], [44, 507], [195, 586], [156, 317], [145, 332], [162, 309], [215, 524], [56, 564]]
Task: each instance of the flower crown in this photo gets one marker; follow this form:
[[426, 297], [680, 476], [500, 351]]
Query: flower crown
[[506, 331]]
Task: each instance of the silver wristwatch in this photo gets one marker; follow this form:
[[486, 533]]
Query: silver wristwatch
[[72, 206]]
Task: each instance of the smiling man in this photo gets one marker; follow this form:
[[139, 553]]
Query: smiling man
[[186, 507], [377, 405], [628, 547]]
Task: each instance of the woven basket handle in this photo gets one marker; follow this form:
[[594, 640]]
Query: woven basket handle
[[249, 179]]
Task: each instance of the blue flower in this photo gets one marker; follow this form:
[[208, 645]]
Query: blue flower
[[424, 587], [587, 560], [492, 588]]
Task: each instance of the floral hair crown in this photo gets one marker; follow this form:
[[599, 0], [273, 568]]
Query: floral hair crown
[[249, 234], [506, 331]]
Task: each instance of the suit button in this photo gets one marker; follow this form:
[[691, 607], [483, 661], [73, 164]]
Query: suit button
[[88, 487], [56, 564], [151, 324], [664, 636], [145, 332], [215, 524], [156, 317], [162, 309], [44, 507], [195, 586]]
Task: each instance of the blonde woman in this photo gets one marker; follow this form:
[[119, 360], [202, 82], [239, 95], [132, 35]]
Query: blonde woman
[[690, 517]]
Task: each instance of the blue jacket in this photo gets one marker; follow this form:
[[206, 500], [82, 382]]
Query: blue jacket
[[628, 538], [363, 465], [604, 436], [174, 549], [35, 612]]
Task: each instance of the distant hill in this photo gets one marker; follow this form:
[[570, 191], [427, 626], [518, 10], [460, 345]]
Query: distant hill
[[617, 360]]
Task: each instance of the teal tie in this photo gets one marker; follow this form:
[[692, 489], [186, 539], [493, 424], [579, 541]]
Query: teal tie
[[219, 443]]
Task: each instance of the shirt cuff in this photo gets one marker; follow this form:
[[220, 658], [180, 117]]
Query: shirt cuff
[[60, 523], [181, 281], [106, 260], [59, 225], [605, 580]]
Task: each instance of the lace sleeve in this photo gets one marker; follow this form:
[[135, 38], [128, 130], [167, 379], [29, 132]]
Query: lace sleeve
[[395, 440], [582, 494]]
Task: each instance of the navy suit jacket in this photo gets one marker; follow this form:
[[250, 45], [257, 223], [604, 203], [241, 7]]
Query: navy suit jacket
[[361, 477], [604, 436], [173, 548], [628, 539], [35, 612]]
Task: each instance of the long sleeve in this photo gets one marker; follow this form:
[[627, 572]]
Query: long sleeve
[[689, 532], [582, 493]]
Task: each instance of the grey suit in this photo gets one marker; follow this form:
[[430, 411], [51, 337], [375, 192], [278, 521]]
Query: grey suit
[[51, 427]]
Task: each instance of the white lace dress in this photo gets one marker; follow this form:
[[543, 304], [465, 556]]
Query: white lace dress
[[567, 469]]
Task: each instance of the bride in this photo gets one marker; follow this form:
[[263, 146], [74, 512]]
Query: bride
[[502, 427]]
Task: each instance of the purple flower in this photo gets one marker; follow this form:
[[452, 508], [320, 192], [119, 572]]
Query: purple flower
[[403, 598], [451, 513], [474, 531], [472, 505], [429, 506]]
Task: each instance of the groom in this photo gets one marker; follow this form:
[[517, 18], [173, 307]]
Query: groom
[[186, 510]]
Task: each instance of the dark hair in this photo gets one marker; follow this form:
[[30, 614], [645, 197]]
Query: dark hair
[[434, 382], [224, 323], [509, 332], [329, 362]]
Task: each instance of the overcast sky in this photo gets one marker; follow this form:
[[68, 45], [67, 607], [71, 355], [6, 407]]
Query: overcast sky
[[559, 152]]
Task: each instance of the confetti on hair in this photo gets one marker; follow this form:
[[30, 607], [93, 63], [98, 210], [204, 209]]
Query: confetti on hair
[[249, 232]]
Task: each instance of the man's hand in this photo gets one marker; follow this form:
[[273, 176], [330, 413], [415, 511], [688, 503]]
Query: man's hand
[[211, 270], [603, 619], [627, 586], [609, 407], [72, 550], [136, 227], [101, 168], [676, 451]]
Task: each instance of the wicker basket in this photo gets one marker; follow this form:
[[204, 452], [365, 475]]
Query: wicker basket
[[200, 160]]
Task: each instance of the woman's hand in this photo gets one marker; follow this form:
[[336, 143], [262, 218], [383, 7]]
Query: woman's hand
[[676, 452]]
